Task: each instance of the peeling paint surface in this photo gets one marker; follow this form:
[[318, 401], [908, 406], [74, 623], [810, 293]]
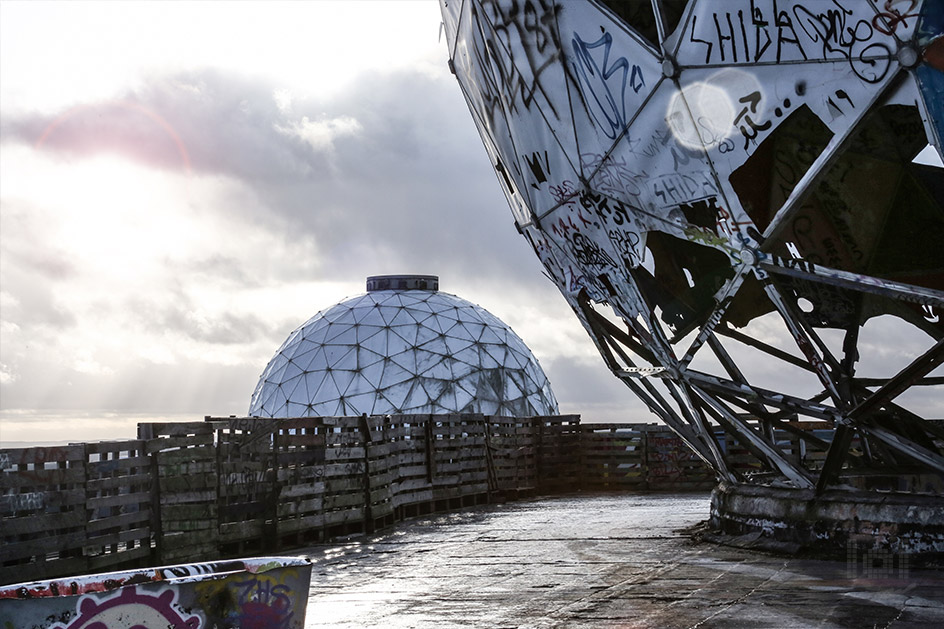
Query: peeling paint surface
[[258, 593]]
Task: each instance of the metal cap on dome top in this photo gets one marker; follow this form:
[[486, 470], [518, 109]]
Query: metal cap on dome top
[[402, 282]]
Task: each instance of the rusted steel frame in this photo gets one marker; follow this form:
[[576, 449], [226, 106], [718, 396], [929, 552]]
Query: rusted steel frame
[[771, 398], [802, 340], [661, 348], [704, 432], [928, 381], [835, 456], [723, 303], [736, 376], [839, 449], [919, 368], [764, 347], [797, 315], [804, 270], [755, 442], [658, 339], [775, 421], [759, 410], [726, 361], [909, 449], [649, 396], [596, 333], [660, 24], [903, 414], [603, 331], [691, 419], [828, 155], [694, 435], [610, 329]]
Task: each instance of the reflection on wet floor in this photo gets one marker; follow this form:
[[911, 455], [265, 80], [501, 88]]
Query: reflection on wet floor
[[598, 561]]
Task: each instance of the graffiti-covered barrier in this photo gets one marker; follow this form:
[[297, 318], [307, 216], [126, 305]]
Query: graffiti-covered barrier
[[258, 592], [229, 487]]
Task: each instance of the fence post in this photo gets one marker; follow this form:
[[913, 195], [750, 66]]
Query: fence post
[[430, 445], [270, 472], [537, 424], [644, 459], [145, 434], [365, 441]]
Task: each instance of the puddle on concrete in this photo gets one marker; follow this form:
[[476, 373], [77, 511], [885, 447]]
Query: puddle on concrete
[[595, 561]]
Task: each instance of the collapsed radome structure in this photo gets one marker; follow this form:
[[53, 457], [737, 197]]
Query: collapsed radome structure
[[726, 193], [403, 347]]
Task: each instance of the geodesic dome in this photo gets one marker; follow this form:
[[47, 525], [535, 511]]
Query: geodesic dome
[[403, 347]]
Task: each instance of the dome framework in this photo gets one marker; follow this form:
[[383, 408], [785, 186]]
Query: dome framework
[[726, 193], [404, 348]]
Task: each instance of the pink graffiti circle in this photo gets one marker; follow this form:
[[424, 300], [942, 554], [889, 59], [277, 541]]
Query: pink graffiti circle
[[131, 609]]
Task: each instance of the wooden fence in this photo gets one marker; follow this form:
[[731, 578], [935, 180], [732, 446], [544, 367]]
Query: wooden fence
[[201, 490]]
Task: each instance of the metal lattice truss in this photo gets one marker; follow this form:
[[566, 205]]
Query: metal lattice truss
[[722, 187], [403, 352]]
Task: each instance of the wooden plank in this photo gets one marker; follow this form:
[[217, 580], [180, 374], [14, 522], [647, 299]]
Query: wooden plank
[[128, 521], [177, 512], [52, 541]]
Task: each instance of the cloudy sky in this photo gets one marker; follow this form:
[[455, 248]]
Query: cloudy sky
[[183, 184]]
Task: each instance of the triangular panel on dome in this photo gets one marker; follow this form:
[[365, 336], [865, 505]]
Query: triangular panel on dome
[[406, 332], [513, 390], [341, 356], [461, 368], [417, 399], [292, 371], [498, 352], [365, 332], [428, 363], [396, 395], [305, 355], [358, 404], [491, 335], [425, 334], [368, 357], [474, 328], [463, 395], [387, 342], [386, 313], [344, 379], [341, 334], [406, 361], [313, 380], [486, 360], [342, 314], [329, 389], [275, 371], [294, 409]]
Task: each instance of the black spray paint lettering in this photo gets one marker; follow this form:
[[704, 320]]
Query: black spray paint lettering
[[821, 30], [539, 168], [681, 188], [603, 82], [527, 26]]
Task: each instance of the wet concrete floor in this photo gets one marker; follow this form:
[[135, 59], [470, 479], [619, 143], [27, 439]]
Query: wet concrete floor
[[601, 561]]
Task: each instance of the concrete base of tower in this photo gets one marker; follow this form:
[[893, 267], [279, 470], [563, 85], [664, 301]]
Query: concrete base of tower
[[860, 525]]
